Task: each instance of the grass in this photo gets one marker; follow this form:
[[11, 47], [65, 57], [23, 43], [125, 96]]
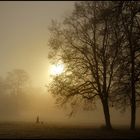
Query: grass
[[20, 130]]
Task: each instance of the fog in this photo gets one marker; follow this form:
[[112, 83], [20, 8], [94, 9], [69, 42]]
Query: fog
[[23, 45], [38, 102]]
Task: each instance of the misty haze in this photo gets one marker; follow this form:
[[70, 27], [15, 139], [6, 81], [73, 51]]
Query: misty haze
[[69, 69]]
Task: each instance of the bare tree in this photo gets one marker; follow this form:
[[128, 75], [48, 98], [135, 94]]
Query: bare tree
[[129, 73], [16, 81], [88, 43], [133, 44]]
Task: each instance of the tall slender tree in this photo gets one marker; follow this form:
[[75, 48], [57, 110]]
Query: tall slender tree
[[128, 14]]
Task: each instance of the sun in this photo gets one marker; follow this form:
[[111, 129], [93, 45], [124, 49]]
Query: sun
[[57, 69]]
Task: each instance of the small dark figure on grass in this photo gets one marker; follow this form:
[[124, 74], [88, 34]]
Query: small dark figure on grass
[[37, 119]]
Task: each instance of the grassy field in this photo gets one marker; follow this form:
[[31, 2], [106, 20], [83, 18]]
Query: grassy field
[[22, 130]]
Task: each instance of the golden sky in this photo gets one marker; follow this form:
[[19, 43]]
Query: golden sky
[[24, 35]]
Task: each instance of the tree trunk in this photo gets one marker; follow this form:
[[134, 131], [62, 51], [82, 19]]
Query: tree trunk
[[133, 94], [106, 114], [133, 114]]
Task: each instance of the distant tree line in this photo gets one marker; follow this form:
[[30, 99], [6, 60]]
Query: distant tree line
[[12, 92], [18, 98], [99, 44], [14, 82]]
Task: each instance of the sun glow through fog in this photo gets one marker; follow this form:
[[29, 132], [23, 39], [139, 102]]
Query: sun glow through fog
[[57, 69]]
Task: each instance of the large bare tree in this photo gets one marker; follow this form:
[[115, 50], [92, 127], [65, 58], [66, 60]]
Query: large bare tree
[[88, 43]]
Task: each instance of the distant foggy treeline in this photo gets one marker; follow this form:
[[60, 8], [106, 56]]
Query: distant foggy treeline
[[18, 97]]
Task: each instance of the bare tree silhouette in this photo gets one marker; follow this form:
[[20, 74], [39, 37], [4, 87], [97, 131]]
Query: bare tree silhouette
[[128, 14], [89, 44]]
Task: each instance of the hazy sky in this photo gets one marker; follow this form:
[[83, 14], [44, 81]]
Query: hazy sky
[[24, 35]]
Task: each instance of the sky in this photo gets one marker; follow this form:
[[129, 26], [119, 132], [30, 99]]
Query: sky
[[24, 38], [24, 35]]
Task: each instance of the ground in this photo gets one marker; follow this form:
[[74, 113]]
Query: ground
[[14, 130]]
